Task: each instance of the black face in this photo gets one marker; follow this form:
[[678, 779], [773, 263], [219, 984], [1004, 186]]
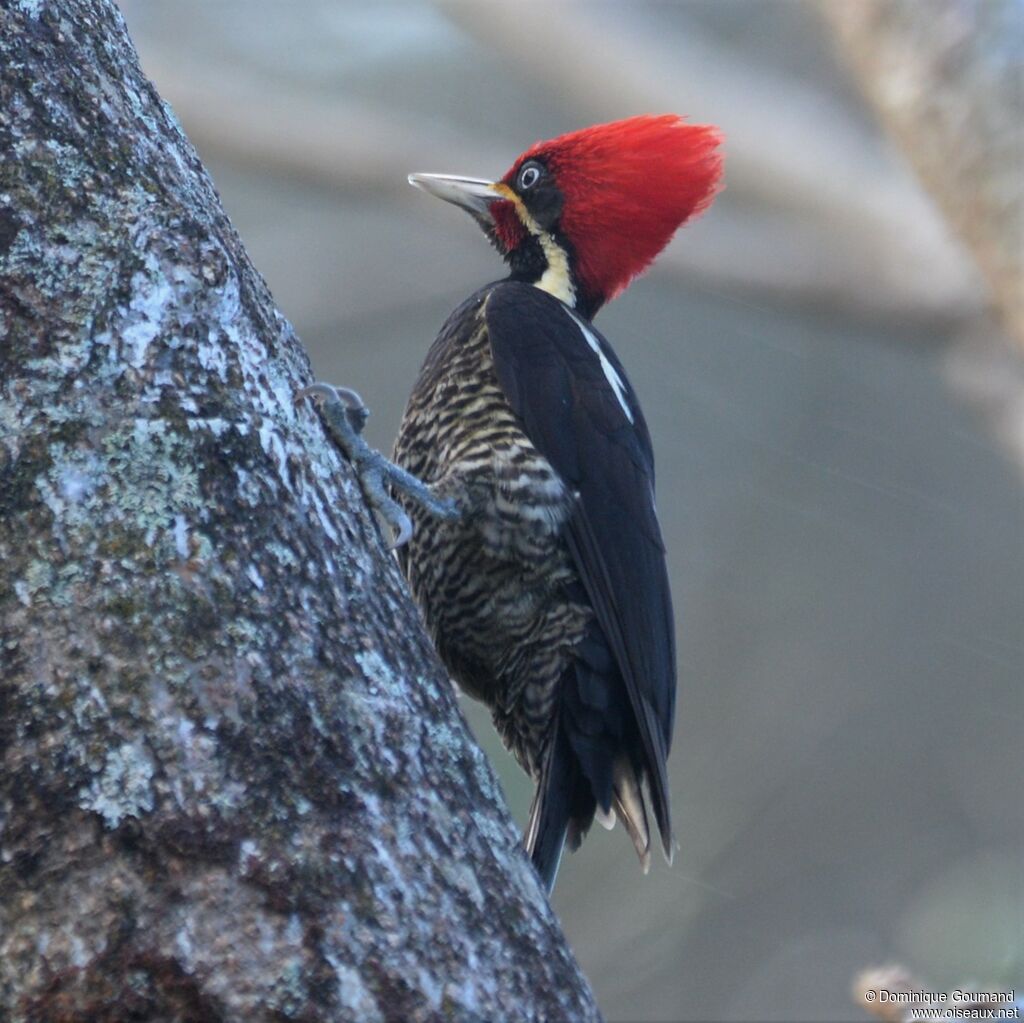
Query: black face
[[540, 195]]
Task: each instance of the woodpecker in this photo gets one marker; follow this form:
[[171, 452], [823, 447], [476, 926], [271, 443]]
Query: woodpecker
[[534, 550]]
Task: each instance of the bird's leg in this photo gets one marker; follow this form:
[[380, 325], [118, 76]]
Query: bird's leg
[[345, 415]]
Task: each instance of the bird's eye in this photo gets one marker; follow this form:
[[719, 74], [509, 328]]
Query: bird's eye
[[529, 176]]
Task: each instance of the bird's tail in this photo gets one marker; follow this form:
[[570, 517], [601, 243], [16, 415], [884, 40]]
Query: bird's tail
[[552, 810], [631, 809]]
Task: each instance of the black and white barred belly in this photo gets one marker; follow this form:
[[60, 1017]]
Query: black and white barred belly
[[494, 586]]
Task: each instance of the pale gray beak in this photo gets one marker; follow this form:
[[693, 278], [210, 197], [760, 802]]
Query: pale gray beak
[[474, 195]]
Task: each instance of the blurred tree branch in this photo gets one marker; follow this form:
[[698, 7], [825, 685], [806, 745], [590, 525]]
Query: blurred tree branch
[[234, 782], [947, 78]]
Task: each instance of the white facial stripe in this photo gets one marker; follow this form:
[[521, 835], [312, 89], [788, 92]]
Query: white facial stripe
[[611, 375], [556, 279]]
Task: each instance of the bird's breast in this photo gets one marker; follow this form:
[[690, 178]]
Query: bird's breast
[[459, 430], [493, 580]]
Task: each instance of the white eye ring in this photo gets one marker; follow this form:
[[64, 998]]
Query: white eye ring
[[529, 176]]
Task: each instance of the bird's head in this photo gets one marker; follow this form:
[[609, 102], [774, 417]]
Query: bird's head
[[583, 214]]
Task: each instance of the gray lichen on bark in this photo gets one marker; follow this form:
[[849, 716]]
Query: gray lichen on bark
[[234, 781]]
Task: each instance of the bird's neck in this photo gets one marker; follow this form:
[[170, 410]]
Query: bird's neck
[[546, 260], [558, 278]]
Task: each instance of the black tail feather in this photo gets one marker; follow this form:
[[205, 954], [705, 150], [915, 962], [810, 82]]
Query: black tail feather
[[594, 759], [563, 807], [552, 809]]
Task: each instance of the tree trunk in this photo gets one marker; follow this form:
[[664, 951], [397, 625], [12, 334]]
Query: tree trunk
[[235, 781]]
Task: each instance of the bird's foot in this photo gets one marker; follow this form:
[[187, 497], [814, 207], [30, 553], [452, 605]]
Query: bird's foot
[[345, 415]]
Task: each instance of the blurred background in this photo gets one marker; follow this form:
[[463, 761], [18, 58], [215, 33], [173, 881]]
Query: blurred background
[[828, 364]]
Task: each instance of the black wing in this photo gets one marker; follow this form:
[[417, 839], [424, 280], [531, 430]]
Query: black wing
[[572, 412]]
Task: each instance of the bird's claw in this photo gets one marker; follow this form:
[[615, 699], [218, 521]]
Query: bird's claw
[[344, 414], [356, 412]]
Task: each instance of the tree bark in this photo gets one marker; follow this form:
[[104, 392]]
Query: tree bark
[[235, 781]]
